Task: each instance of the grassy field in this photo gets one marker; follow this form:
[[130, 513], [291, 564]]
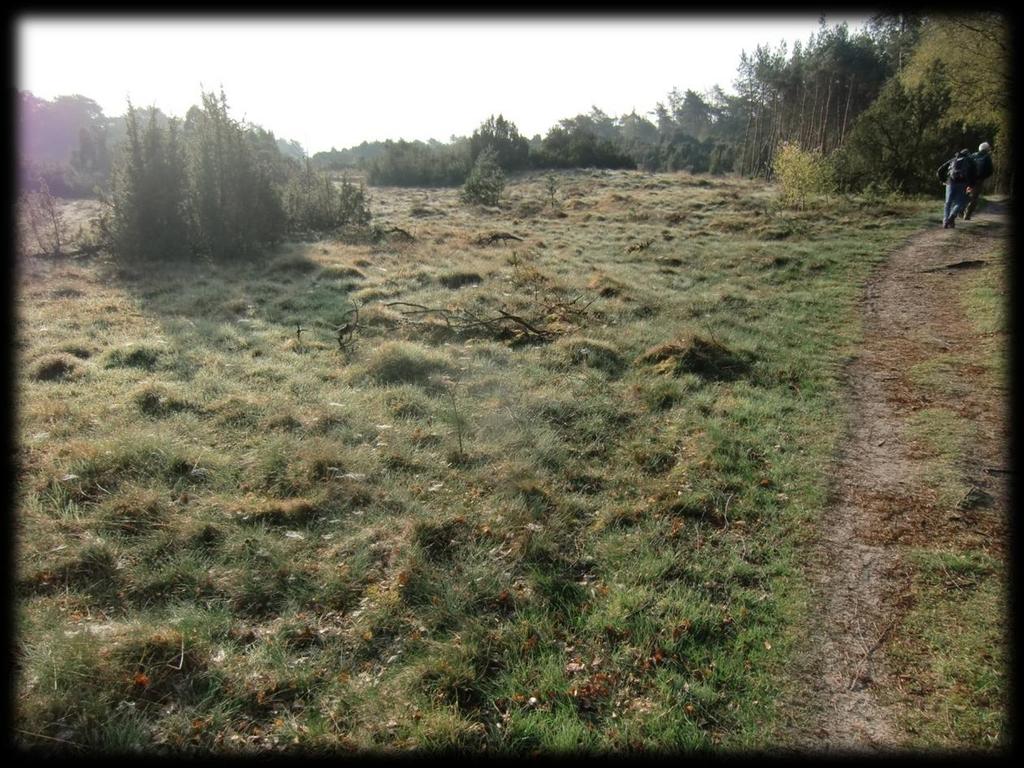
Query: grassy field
[[546, 497]]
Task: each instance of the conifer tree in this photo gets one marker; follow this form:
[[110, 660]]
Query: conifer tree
[[235, 205], [148, 218]]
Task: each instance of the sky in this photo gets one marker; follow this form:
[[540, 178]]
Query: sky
[[335, 81]]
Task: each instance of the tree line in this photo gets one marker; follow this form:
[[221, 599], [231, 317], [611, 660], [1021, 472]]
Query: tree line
[[882, 106], [885, 105]]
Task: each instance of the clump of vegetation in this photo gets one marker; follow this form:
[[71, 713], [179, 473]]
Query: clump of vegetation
[[486, 180], [341, 273], [314, 203], [402, 362], [707, 358], [415, 164], [216, 189], [159, 402], [134, 356], [135, 511], [147, 219], [42, 222], [592, 354], [56, 368], [801, 173]]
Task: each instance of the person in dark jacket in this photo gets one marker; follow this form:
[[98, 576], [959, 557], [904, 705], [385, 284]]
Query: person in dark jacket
[[982, 160], [955, 173]]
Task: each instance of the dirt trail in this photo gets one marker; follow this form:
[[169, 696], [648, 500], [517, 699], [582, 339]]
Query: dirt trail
[[911, 310]]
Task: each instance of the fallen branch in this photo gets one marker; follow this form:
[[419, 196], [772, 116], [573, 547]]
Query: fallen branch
[[639, 246], [526, 325], [399, 231], [346, 331], [463, 319], [495, 237], [967, 264], [867, 654], [88, 250]]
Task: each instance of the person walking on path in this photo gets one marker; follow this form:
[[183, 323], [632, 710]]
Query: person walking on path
[[956, 173], [982, 160]]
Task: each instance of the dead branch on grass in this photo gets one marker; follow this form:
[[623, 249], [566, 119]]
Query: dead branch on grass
[[400, 232], [459, 319], [347, 330], [640, 245], [495, 237]]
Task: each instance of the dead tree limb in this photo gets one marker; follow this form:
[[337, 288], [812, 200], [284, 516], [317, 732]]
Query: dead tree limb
[[495, 237], [526, 325], [461, 320]]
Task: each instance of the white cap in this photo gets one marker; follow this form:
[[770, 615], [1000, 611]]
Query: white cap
[[984, 147]]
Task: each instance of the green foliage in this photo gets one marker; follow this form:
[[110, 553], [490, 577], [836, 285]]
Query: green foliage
[[353, 157], [313, 203], [486, 181], [147, 219], [800, 173], [502, 137], [213, 189], [235, 206], [415, 164], [574, 143], [975, 52], [899, 141]]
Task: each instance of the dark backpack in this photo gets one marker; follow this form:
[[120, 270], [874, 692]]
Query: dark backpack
[[982, 165], [961, 169]]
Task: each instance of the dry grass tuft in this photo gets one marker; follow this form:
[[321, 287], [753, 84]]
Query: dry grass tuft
[[707, 358], [57, 368]]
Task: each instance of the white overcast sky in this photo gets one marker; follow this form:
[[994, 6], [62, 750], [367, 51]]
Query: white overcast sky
[[337, 80]]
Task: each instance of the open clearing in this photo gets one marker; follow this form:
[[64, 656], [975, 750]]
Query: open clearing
[[555, 491]]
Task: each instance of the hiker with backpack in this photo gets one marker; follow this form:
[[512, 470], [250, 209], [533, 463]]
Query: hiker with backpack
[[982, 160], [957, 174]]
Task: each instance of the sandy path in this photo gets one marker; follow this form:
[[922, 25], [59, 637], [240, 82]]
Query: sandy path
[[911, 310]]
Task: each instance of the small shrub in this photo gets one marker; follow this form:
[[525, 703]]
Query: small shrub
[[486, 180], [42, 222], [702, 357], [801, 173], [400, 362], [313, 202]]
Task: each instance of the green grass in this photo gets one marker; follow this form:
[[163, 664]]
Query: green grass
[[463, 537], [952, 648], [952, 644]]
